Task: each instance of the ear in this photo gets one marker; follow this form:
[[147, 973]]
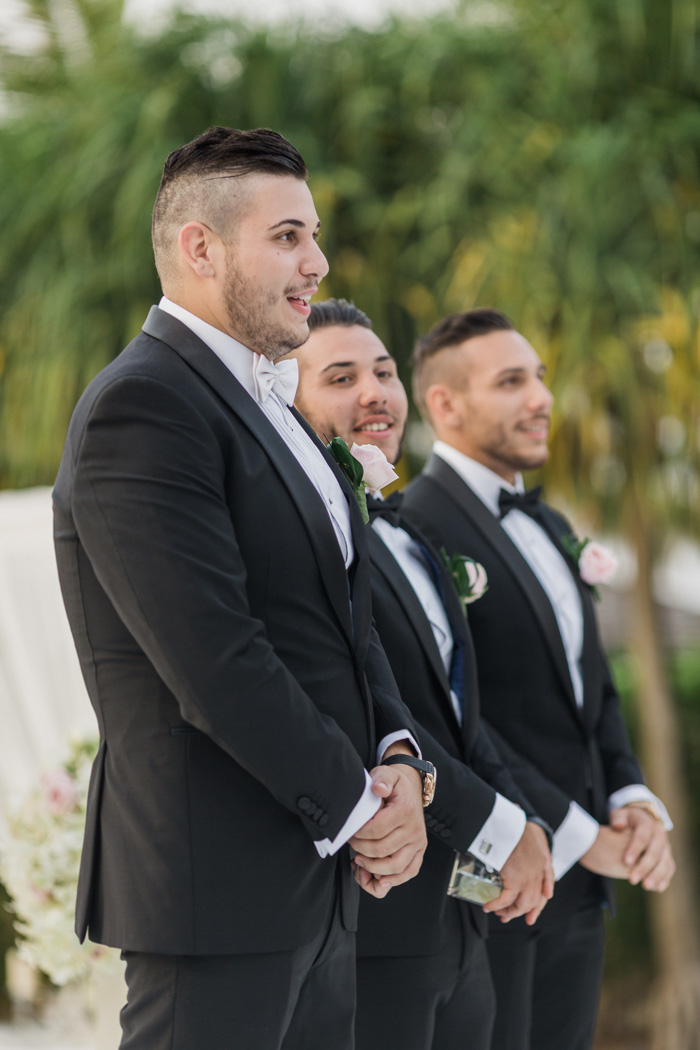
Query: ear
[[444, 406], [201, 249]]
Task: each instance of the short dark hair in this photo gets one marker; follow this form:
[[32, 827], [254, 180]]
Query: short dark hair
[[331, 313], [450, 332], [190, 185]]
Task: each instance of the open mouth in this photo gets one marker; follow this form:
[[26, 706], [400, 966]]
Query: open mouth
[[300, 303], [376, 428]]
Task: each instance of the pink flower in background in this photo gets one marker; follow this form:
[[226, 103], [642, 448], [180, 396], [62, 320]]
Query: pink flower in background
[[59, 791], [597, 564], [378, 471]]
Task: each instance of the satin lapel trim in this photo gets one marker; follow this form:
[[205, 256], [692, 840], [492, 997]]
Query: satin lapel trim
[[470, 505], [384, 562], [590, 626], [359, 580], [206, 364]]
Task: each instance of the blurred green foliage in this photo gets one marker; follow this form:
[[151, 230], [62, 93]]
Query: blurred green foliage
[[542, 158]]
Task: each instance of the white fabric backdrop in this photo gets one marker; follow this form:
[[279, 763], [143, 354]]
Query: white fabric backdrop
[[42, 696]]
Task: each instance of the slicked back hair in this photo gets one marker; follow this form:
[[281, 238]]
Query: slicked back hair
[[331, 313], [452, 331], [196, 185]]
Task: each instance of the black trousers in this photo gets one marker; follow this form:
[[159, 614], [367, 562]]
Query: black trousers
[[433, 1002], [299, 1000], [547, 981]]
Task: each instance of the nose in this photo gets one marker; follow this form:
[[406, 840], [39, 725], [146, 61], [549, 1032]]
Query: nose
[[315, 263], [540, 397], [371, 391]]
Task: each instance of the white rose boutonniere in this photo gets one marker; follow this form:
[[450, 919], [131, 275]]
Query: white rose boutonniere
[[468, 576], [365, 467], [595, 562], [378, 471]]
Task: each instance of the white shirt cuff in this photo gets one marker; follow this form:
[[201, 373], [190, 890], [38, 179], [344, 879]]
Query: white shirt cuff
[[364, 810], [394, 738], [639, 793], [500, 834], [574, 837]]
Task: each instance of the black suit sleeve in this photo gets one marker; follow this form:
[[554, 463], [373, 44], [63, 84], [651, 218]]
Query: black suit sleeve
[[391, 715], [490, 766], [150, 512], [550, 802]]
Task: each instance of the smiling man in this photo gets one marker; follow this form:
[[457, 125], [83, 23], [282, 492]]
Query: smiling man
[[545, 685], [204, 542], [423, 977]]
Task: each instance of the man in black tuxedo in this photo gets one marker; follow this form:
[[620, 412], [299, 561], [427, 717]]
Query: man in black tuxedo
[[216, 577], [423, 976], [545, 686]]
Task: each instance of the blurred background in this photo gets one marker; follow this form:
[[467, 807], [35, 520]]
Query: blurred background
[[542, 158]]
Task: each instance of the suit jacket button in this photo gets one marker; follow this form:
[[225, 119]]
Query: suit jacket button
[[445, 833], [323, 820], [304, 804]]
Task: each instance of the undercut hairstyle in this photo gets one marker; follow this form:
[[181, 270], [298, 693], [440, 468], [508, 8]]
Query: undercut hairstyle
[[430, 365], [332, 313], [196, 183]]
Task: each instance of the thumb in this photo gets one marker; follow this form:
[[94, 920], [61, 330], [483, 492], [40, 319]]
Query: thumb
[[618, 819], [380, 786]]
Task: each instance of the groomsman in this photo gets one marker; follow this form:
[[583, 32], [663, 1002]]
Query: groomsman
[[423, 975], [545, 685], [215, 572]]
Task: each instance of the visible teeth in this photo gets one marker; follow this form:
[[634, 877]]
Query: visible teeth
[[375, 426]]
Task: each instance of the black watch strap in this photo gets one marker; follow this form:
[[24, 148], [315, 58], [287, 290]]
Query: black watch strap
[[425, 768]]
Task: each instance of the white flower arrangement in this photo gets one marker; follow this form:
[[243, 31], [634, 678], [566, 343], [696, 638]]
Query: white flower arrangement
[[39, 865]]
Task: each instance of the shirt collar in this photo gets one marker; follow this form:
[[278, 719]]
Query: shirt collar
[[239, 359], [482, 480]]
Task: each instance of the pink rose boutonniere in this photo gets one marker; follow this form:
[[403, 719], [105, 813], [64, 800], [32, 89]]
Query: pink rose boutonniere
[[595, 562], [365, 467], [468, 576]]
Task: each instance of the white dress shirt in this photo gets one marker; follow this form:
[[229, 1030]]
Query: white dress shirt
[[578, 831], [241, 362], [504, 827]]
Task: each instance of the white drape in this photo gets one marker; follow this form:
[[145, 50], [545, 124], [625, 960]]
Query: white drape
[[42, 696]]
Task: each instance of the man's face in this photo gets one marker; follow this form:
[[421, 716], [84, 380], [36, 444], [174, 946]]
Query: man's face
[[502, 414], [273, 266], [349, 388]]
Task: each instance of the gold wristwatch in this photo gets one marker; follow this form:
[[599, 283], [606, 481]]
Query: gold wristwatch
[[425, 768]]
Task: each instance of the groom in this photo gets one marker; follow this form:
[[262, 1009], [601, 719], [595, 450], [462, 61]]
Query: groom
[[215, 573]]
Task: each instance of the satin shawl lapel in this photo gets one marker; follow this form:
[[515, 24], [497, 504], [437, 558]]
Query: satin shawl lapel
[[359, 574], [482, 518], [385, 564], [206, 364], [590, 665]]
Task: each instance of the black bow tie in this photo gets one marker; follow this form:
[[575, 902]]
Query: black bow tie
[[527, 502], [389, 508]]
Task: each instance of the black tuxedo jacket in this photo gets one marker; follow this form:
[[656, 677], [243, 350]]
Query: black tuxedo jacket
[[557, 752], [238, 692], [412, 919]]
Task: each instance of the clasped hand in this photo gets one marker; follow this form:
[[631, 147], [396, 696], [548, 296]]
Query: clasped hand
[[389, 848], [634, 846]]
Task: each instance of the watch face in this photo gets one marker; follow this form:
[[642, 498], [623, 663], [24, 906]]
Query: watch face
[[429, 782]]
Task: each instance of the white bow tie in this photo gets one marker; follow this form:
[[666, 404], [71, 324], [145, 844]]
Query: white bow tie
[[283, 378]]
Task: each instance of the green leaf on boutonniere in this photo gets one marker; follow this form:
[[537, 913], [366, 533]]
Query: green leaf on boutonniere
[[574, 547], [353, 470]]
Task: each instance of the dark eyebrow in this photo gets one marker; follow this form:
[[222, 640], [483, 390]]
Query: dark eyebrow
[[293, 222], [351, 364], [541, 370]]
